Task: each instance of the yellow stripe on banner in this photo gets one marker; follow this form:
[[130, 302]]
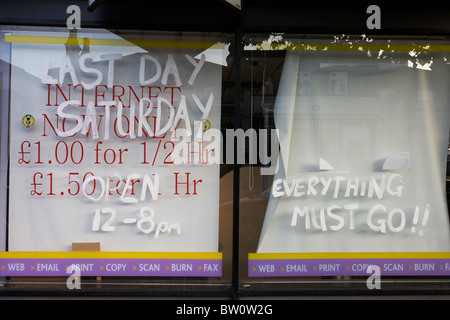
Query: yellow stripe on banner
[[115, 42], [352, 47], [350, 255], [108, 255], [217, 45]]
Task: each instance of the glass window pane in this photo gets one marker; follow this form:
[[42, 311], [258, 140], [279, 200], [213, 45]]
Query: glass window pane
[[362, 129], [111, 150]]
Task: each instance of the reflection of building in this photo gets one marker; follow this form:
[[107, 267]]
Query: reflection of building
[[304, 79], [352, 106], [338, 83]]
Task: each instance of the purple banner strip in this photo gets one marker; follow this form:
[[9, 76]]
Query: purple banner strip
[[347, 267], [112, 267]]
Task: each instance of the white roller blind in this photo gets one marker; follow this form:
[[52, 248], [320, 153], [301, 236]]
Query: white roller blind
[[363, 151]]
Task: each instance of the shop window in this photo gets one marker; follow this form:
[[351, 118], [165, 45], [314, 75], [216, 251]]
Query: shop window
[[110, 172], [120, 152], [363, 149]]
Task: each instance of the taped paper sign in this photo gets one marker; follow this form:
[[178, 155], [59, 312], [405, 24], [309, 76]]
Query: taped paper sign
[[96, 165], [362, 160]]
